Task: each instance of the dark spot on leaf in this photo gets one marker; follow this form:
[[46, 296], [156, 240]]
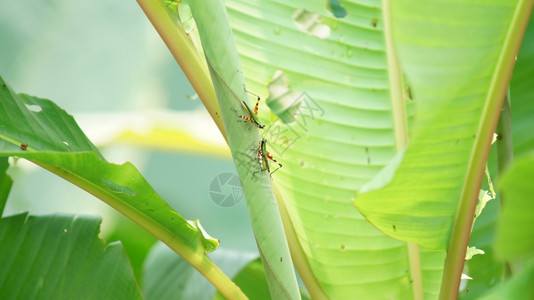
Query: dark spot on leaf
[[280, 258], [409, 93], [467, 290], [23, 146], [336, 8], [499, 136], [374, 22], [342, 248], [394, 228]]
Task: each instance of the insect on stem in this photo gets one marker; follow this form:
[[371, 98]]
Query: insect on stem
[[263, 158]]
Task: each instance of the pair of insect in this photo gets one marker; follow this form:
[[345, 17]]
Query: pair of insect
[[262, 155]]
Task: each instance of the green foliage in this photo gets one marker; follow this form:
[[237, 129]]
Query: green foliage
[[56, 143], [515, 237], [52, 140], [61, 257], [5, 183], [167, 276], [351, 195], [223, 63], [454, 110], [518, 288]]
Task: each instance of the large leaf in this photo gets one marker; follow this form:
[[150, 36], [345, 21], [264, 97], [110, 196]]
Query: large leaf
[[61, 257], [485, 269], [522, 93], [434, 53], [243, 137], [38, 130], [5, 183], [451, 152], [342, 136]]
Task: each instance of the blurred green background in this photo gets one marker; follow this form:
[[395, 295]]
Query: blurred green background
[[99, 60]]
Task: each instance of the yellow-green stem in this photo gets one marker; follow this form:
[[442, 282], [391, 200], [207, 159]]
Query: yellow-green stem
[[463, 223], [198, 260], [185, 54], [401, 134]]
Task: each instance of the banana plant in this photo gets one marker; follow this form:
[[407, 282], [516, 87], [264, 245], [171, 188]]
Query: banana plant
[[383, 114], [381, 117]]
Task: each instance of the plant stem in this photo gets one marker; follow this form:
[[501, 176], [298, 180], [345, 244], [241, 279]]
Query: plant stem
[[185, 54], [401, 135], [461, 231], [196, 259]]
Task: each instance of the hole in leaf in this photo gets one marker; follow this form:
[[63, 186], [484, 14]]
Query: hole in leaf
[[310, 23], [283, 101], [34, 107]]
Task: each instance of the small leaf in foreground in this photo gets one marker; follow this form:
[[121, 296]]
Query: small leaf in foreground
[[61, 257]]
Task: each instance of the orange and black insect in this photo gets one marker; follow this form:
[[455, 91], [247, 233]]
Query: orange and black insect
[[23, 146], [252, 114], [263, 155]]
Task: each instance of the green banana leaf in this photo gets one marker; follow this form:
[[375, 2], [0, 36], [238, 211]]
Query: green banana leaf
[[38, 130], [5, 183], [333, 74], [352, 135], [61, 257], [518, 287], [515, 238], [521, 93], [459, 102], [338, 118], [243, 138], [486, 270]]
